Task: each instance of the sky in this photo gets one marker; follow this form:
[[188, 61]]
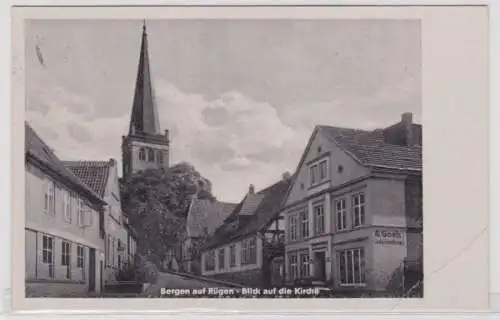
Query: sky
[[239, 97]]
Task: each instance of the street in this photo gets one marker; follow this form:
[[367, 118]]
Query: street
[[174, 281]]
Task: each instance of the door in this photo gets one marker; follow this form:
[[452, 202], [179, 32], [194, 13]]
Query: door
[[320, 265], [92, 269], [101, 275]]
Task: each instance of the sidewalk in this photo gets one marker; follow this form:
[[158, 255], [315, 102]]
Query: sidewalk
[[206, 279]]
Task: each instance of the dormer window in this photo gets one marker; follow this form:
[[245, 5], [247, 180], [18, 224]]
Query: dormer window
[[318, 172], [142, 154], [151, 155]]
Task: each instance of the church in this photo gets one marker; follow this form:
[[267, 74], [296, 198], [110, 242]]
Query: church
[[145, 146]]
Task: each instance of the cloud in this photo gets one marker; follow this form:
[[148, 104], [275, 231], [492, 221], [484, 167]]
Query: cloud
[[381, 108], [232, 140], [226, 139]]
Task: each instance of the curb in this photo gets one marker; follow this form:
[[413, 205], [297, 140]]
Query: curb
[[206, 279]]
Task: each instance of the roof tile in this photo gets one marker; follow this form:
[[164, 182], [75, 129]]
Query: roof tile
[[93, 173]]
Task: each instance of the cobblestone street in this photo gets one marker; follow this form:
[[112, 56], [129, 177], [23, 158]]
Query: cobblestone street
[[174, 281]]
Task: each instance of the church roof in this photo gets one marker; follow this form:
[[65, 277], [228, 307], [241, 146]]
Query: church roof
[[93, 173], [206, 215], [144, 117]]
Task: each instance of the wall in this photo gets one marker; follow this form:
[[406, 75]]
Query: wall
[[238, 267], [57, 226], [388, 256], [386, 197], [37, 272], [115, 228], [351, 170]]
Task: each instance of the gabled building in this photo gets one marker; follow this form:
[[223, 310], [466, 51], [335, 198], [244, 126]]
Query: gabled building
[[354, 210], [145, 146], [64, 226], [203, 218], [102, 178], [241, 249]]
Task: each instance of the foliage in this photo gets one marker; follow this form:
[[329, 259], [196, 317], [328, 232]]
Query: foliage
[[156, 202], [127, 272]]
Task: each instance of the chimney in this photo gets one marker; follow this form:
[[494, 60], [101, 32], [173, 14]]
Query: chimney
[[166, 134], [251, 189], [407, 121], [286, 176], [112, 162]]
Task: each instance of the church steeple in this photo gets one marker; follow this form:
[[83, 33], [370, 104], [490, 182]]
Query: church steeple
[[144, 117], [145, 146]]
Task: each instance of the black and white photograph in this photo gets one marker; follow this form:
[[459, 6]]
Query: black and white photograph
[[223, 158]]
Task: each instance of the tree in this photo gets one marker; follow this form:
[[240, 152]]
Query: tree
[[156, 202]]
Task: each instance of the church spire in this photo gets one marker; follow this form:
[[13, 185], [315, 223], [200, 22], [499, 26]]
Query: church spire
[[144, 118]]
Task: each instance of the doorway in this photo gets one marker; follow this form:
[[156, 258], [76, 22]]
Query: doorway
[[320, 267], [92, 269]]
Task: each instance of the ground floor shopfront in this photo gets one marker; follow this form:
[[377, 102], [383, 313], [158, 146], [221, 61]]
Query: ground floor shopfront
[[366, 258]]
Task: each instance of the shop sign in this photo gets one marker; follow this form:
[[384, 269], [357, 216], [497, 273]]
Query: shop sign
[[389, 237]]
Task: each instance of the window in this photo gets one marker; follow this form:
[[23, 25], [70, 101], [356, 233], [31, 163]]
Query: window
[[304, 225], [210, 261], [81, 212], [66, 207], [304, 265], [319, 220], [340, 214], [312, 173], [293, 268], [351, 266], [142, 154], [322, 170], [151, 155], [159, 157], [358, 209], [292, 224], [108, 251], [49, 205], [232, 256], [252, 251], [244, 252], [222, 258], [47, 250], [80, 260], [318, 172], [113, 251], [66, 257]]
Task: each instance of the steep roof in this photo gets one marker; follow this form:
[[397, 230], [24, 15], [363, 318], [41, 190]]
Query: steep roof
[[93, 173], [271, 200], [38, 151], [206, 215], [144, 117], [371, 149]]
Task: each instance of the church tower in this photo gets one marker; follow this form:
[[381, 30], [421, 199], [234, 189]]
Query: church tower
[[145, 146]]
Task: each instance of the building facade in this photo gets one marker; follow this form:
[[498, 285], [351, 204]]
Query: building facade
[[354, 211], [145, 146], [203, 218], [64, 227], [241, 250], [102, 178]]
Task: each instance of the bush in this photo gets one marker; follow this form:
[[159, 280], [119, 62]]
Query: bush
[[146, 270], [127, 273]]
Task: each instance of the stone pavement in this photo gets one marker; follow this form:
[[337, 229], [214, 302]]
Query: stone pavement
[[176, 281]]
